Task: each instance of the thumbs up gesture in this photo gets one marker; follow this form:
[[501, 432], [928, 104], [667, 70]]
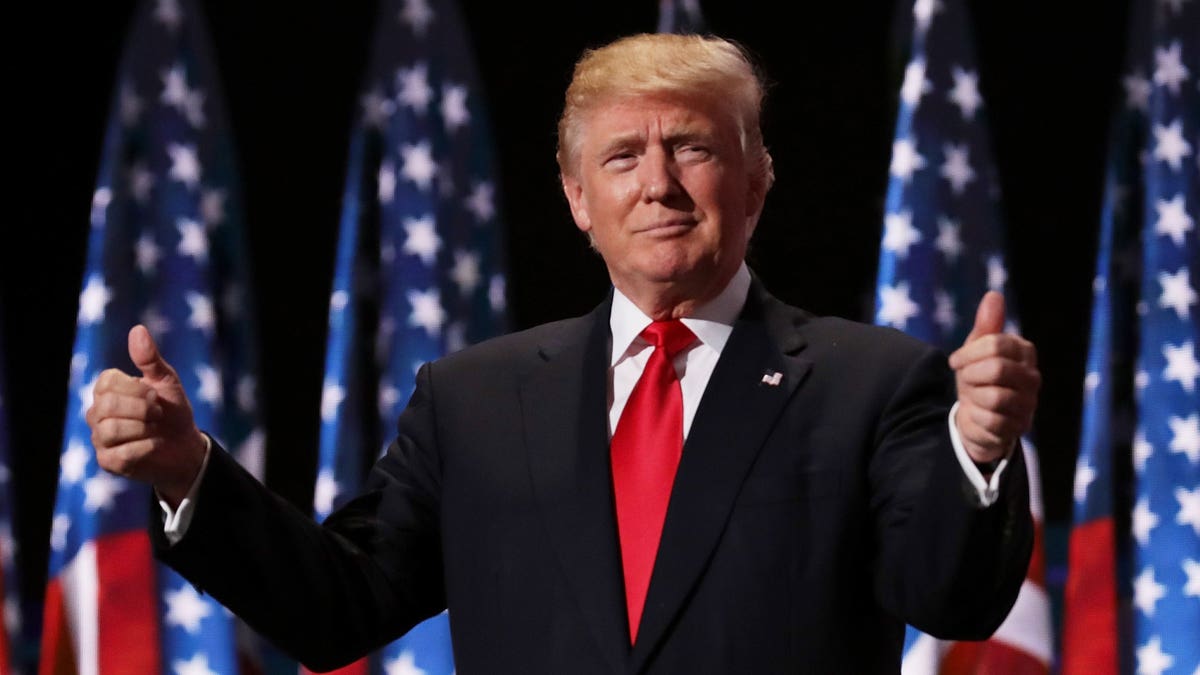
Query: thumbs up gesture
[[142, 427], [998, 382]]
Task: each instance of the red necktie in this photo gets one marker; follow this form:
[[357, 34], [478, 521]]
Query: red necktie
[[646, 447]]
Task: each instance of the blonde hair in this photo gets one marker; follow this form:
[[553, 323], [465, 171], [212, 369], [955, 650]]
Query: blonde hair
[[711, 68]]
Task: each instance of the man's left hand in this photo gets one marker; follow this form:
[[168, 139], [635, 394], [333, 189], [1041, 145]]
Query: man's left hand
[[998, 382]]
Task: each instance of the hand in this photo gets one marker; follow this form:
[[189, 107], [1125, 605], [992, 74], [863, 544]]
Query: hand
[[143, 427], [998, 382]]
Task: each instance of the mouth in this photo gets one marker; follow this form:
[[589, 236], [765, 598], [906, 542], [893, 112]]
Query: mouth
[[668, 228]]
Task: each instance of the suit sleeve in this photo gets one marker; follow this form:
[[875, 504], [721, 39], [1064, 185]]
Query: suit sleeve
[[944, 564], [326, 594]]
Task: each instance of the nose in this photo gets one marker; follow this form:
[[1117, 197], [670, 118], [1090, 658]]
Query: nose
[[657, 175]]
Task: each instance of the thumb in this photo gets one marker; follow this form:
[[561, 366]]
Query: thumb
[[989, 318], [146, 357]]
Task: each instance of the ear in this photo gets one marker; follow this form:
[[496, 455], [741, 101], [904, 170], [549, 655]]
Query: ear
[[756, 195], [573, 189]]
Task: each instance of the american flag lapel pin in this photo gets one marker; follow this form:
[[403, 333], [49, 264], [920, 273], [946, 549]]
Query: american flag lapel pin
[[772, 378]]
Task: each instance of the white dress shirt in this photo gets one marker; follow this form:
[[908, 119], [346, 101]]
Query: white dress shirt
[[712, 324]]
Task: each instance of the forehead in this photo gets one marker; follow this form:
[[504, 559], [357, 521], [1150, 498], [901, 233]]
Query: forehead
[[640, 116]]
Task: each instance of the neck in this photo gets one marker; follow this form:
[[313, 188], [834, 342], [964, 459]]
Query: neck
[[662, 302]]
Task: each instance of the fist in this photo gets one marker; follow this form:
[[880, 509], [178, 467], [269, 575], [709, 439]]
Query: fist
[[998, 381], [142, 427]]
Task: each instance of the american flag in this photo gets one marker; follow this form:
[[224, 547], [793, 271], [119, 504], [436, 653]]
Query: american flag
[[164, 249], [420, 262], [1133, 596], [680, 16], [942, 249], [12, 659]]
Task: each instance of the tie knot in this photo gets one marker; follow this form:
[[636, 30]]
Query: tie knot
[[669, 336]]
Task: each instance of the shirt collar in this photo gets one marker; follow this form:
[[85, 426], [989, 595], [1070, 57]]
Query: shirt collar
[[712, 322]]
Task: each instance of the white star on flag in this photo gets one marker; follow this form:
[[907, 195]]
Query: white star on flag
[[155, 322], [325, 491], [1169, 70], [73, 464], [427, 310], [899, 233], [957, 167], [417, 14], [415, 91], [1151, 658], [387, 182], [905, 160], [480, 202], [915, 85], [141, 182], [943, 313], [1177, 292], [422, 239], [210, 385], [419, 166], [92, 301], [389, 396], [1182, 366], [185, 166], [201, 317], [965, 93], [168, 14], [1169, 144], [896, 306], [131, 105], [997, 276], [1137, 92], [948, 241], [175, 89], [1173, 219], [332, 396], [465, 272], [1144, 520], [1142, 450], [100, 491], [86, 393], [404, 664], [101, 198], [59, 527], [212, 208], [1185, 436], [454, 107], [1147, 592], [376, 109], [497, 295], [193, 240], [147, 253], [186, 609], [923, 11], [1084, 475], [1189, 508], [197, 665], [1192, 569]]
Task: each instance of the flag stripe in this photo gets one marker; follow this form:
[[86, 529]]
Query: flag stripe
[[1089, 637], [127, 621]]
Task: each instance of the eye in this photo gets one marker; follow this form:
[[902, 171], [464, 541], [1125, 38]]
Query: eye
[[694, 152], [620, 161]]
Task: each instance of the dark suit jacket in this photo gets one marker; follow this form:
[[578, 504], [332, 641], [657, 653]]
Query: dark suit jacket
[[808, 520]]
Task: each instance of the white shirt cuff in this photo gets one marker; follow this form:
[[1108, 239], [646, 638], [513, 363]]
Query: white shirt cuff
[[176, 521], [988, 491]]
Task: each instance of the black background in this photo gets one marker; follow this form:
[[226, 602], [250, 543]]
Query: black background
[[1048, 72]]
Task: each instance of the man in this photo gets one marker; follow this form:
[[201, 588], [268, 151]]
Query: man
[[693, 478]]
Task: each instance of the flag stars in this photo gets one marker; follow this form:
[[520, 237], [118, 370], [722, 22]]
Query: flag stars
[[948, 241], [1084, 476], [1189, 507], [247, 394], [997, 275], [1177, 292], [186, 609], [210, 385], [212, 207], [147, 253], [387, 182], [965, 93], [899, 234], [896, 306], [1137, 92], [1169, 144], [957, 167], [1182, 366], [202, 316], [93, 300], [1192, 569], [422, 239], [427, 311], [943, 313], [905, 160], [1169, 70], [923, 11], [1185, 436], [332, 395], [915, 85], [465, 272], [1142, 450], [73, 464], [325, 491], [481, 201], [1173, 219], [101, 198], [155, 322], [185, 166], [1151, 658], [60, 526], [1144, 520], [1147, 592], [130, 105], [376, 108], [419, 166], [86, 393], [338, 300], [193, 239], [167, 13], [454, 107], [497, 294], [100, 491], [141, 182], [418, 15], [389, 396], [1090, 382], [197, 665], [404, 664], [414, 89]]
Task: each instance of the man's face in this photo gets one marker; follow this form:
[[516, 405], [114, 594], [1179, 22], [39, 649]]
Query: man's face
[[661, 186]]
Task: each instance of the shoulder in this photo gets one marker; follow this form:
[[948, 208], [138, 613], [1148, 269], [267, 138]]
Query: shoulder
[[515, 352]]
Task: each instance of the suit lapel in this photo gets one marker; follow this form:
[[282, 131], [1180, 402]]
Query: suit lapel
[[735, 416], [565, 414]]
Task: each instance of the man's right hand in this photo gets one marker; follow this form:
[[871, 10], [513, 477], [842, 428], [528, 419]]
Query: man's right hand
[[143, 427]]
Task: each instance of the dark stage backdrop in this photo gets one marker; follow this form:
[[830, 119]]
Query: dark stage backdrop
[[291, 73]]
